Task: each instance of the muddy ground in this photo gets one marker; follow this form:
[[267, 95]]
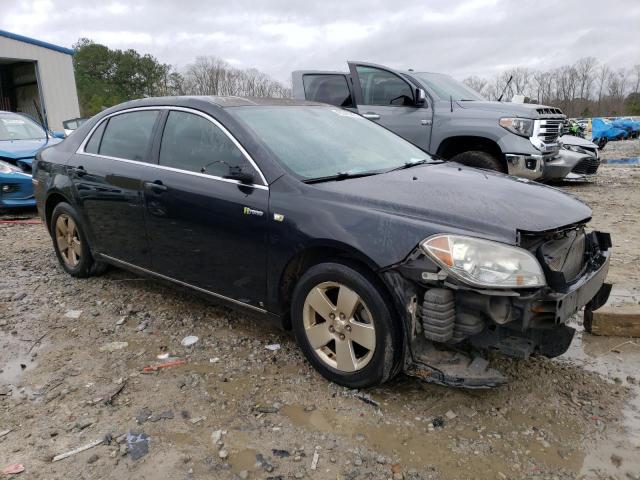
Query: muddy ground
[[72, 354]]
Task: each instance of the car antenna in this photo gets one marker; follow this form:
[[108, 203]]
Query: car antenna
[[451, 102], [505, 88]]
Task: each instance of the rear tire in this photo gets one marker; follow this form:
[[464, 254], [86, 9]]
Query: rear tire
[[70, 243], [369, 330], [479, 159]]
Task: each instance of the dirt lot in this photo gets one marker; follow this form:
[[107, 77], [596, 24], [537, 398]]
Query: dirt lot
[[72, 354]]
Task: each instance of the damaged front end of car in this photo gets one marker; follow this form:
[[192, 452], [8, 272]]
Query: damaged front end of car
[[463, 297]]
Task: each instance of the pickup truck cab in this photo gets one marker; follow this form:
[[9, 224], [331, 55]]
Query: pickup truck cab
[[442, 116]]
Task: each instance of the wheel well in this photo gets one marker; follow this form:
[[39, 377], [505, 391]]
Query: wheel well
[[452, 146], [307, 259], [52, 201]]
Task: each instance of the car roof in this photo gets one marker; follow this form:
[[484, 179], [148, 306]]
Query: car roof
[[219, 101]]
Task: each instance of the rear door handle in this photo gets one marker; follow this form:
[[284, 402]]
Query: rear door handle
[[371, 116], [79, 171], [156, 186]]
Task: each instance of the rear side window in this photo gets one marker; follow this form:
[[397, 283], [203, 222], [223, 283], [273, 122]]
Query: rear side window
[[93, 144], [331, 89], [191, 142], [128, 135]]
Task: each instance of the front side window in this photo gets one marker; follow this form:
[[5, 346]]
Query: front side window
[[318, 141], [19, 127], [327, 88], [380, 87], [191, 142], [128, 135]]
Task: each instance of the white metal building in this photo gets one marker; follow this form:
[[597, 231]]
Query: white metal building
[[37, 78]]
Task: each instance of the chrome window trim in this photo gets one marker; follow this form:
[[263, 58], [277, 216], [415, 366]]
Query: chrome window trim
[[184, 284], [263, 186]]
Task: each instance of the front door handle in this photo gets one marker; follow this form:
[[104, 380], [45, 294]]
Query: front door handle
[[156, 186], [79, 171], [371, 116]]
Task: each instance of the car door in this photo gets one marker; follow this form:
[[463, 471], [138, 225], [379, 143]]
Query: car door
[[206, 230], [106, 174], [387, 98]]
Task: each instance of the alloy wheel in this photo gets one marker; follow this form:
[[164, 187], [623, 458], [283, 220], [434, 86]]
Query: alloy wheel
[[68, 240], [339, 326]]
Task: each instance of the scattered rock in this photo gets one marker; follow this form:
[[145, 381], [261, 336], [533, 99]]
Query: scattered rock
[[223, 454], [137, 445], [189, 341], [450, 415], [93, 458], [266, 408], [73, 314], [438, 422], [113, 346], [616, 460], [216, 436]]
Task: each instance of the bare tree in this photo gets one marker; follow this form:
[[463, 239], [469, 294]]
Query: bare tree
[[585, 68], [636, 73], [214, 76], [476, 83]]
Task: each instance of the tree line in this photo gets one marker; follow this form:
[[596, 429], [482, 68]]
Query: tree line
[[586, 88], [106, 77]]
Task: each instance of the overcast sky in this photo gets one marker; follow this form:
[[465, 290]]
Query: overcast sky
[[474, 37]]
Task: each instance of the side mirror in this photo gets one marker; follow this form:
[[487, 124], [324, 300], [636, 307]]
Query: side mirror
[[58, 134], [421, 97], [236, 173]]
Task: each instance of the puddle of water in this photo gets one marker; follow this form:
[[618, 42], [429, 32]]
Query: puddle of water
[[612, 357], [623, 161], [243, 460], [416, 447], [15, 361]]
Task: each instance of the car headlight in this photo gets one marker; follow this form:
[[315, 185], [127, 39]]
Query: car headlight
[[8, 168], [519, 126], [575, 148], [484, 263]]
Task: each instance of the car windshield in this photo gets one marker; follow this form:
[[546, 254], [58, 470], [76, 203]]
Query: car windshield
[[18, 127], [316, 141], [446, 87]]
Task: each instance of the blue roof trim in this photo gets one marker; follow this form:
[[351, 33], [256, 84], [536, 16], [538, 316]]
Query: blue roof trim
[[33, 41]]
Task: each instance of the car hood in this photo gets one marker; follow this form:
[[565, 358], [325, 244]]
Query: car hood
[[524, 110], [577, 141], [19, 149], [455, 198]]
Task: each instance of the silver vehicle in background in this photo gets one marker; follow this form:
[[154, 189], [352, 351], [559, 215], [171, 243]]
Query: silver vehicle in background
[[447, 118]]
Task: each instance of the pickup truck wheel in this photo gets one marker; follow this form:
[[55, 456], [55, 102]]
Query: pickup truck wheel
[[478, 159], [70, 243], [345, 326]]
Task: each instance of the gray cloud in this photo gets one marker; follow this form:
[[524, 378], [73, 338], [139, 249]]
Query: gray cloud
[[473, 37]]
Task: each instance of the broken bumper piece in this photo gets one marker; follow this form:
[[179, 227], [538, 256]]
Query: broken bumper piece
[[455, 369]]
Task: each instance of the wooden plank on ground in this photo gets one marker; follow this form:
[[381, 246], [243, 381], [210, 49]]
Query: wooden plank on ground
[[619, 321]]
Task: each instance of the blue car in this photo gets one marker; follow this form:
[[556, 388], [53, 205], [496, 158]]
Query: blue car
[[20, 139], [604, 129], [629, 125]]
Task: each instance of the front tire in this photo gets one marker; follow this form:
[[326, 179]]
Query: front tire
[[346, 326], [70, 243], [478, 159]]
